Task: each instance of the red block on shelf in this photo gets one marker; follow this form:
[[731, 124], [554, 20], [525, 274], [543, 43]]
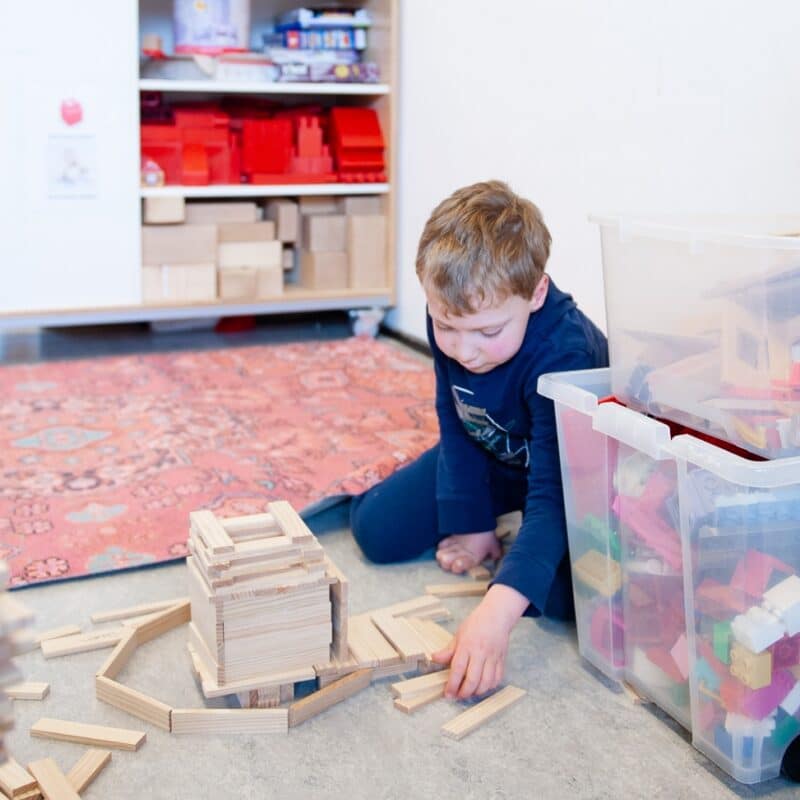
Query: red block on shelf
[[358, 145]]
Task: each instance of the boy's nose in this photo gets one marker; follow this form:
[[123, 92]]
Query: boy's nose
[[465, 351]]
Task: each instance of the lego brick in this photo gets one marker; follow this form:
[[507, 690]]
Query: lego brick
[[249, 254], [179, 244], [269, 282], [360, 204], [285, 214], [66, 731], [757, 629], [87, 768], [246, 231], [479, 714], [366, 252], [324, 232], [164, 210], [238, 283], [752, 669], [184, 283], [200, 213], [52, 781], [323, 270]]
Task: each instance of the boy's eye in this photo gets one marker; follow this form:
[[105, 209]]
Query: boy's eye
[[440, 326], [491, 331]]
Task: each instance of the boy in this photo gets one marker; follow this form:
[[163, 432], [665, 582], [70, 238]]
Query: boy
[[495, 323]]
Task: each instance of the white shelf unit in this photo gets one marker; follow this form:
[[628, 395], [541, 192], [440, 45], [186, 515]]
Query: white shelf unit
[[76, 256]]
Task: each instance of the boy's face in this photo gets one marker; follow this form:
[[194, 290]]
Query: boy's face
[[489, 337]]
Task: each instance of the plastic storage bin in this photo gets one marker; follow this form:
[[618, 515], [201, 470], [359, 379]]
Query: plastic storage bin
[[717, 346], [704, 536]]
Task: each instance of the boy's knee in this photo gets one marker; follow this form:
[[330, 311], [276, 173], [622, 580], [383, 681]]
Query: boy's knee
[[367, 530]]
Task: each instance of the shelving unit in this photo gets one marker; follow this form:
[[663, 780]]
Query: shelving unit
[[78, 252]]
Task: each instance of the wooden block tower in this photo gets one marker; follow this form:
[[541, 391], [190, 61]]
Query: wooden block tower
[[267, 604]]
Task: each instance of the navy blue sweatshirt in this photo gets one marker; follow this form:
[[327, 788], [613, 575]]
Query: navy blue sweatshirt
[[502, 417]]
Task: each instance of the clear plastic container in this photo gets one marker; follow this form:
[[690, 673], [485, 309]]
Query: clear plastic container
[[704, 324]]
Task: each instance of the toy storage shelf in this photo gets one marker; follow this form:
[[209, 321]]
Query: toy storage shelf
[[256, 87], [266, 190]]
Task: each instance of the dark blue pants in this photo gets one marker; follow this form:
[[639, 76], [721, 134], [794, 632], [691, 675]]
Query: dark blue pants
[[397, 520]]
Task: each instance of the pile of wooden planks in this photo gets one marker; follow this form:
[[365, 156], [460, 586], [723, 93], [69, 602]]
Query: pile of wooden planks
[[265, 599]]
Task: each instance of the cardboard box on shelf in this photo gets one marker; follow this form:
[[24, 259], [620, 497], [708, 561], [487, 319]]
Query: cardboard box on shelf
[[323, 270], [249, 254], [366, 251], [324, 232], [198, 212], [284, 213], [246, 231], [179, 244]]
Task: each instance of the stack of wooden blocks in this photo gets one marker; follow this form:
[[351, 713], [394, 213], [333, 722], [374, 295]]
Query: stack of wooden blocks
[[266, 602], [343, 243]]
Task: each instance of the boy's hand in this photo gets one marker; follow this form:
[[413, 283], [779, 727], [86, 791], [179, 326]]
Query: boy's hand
[[477, 652], [463, 551]]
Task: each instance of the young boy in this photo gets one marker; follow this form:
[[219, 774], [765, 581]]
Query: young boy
[[496, 322]]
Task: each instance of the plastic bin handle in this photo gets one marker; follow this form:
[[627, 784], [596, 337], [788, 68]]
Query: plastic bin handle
[[562, 387], [633, 429]]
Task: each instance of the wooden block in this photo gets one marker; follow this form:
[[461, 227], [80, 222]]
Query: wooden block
[[30, 690], [52, 781], [83, 642], [179, 244], [164, 621], [367, 643], [318, 204], [249, 254], [56, 633], [83, 733], [164, 210], [212, 533], [289, 521], [133, 702], [237, 283], [479, 573], [230, 720], [198, 212], [415, 606], [260, 698], [15, 779], [391, 671], [463, 589], [285, 215], [120, 656], [259, 525], [323, 270], [473, 718], [362, 204], [269, 282], [185, 283], [436, 637], [339, 594], [87, 768], [416, 701], [366, 252], [135, 611], [324, 232], [401, 635], [246, 231], [334, 693], [287, 258], [423, 683]]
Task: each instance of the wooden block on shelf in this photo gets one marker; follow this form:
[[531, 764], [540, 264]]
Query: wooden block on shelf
[[179, 244], [52, 781], [84, 733], [362, 204], [230, 720], [471, 719], [179, 283], [287, 258], [318, 204], [199, 212], [164, 210], [323, 270], [87, 768], [285, 214], [324, 233], [249, 254], [333, 693], [269, 282], [133, 702], [29, 690], [462, 589], [238, 283], [366, 252], [263, 231]]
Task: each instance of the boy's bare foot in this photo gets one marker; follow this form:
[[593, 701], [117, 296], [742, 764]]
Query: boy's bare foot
[[463, 551]]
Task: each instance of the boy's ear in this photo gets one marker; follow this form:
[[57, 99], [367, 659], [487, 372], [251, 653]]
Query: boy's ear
[[540, 293]]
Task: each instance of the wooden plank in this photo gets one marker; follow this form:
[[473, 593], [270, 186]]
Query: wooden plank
[[411, 665], [83, 642], [401, 635], [120, 656], [333, 693], [289, 521], [230, 720], [133, 702], [412, 606], [479, 573], [340, 601], [368, 636], [164, 621], [416, 701], [211, 531], [15, 779], [52, 781], [463, 589], [136, 611], [84, 733], [422, 683], [56, 633], [29, 690], [87, 768], [465, 723], [435, 636], [261, 524]]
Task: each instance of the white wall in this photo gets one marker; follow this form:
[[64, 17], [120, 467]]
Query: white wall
[[586, 106]]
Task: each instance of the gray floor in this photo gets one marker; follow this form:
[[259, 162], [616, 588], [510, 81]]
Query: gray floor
[[574, 736]]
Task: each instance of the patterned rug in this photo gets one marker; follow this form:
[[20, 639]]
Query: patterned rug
[[102, 460]]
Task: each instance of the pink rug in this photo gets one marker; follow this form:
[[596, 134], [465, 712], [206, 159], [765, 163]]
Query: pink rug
[[102, 460]]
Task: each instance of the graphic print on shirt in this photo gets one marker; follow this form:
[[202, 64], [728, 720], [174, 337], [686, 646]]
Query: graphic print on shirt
[[503, 445]]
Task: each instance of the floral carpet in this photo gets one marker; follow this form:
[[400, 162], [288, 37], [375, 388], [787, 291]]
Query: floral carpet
[[102, 460]]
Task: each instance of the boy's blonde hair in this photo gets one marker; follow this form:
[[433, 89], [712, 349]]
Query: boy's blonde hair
[[482, 245]]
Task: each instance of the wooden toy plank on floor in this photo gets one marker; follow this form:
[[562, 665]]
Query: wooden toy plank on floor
[[52, 781], [29, 690], [323, 699], [136, 611], [471, 719], [435, 636], [15, 780], [56, 633], [230, 720], [422, 683], [87, 768], [133, 702], [120, 656], [400, 634], [85, 733], [164, 621], [83, 642], [416, 701], [463, 589]]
